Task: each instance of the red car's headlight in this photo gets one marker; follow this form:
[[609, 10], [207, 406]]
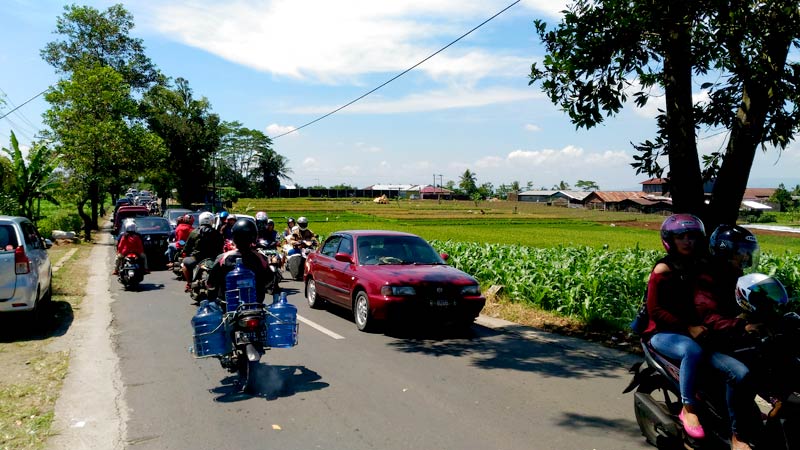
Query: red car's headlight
[[471, 290], [398, 290]]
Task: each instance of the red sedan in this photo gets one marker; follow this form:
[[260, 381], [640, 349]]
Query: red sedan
[[383, 274]]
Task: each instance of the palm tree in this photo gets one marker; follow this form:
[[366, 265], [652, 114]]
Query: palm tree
[[31, 181], [271, 167], [468, 182]]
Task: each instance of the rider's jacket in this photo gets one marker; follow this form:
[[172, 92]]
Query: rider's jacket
[[130, 243], [182, 232], [204, 242], [670, 297]]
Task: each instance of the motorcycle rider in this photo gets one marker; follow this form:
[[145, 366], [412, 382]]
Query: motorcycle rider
[[203, 242], [227, 228], [302, 237], [290, 224], [733, 250], [673, 322], [182, 232], [223, 218], [261, 224], [130, 242], [244, 236]]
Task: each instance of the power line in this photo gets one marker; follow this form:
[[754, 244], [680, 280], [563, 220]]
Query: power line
[[20, 114], [26, 102], [398, 75]]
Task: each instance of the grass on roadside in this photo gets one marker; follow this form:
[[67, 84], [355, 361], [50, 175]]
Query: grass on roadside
[[31, 373]]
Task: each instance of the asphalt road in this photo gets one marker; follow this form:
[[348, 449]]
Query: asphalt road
[[510, 388]]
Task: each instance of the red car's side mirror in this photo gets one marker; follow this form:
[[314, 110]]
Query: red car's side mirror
[[444, 256], [344, 257]]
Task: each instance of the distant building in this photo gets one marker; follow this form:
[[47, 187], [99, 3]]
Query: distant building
[[656, 186]]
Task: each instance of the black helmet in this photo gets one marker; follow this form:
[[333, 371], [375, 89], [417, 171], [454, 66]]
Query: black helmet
[[735, 244], [244, 233]]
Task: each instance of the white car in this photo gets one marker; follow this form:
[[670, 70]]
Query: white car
[[25, 270]]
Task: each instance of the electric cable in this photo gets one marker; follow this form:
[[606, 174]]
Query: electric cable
[[398, 75], [26, 102]]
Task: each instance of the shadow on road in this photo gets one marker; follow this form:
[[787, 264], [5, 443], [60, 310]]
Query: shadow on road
[[491, 349], [592, 425], [16, 327], [272, 382]]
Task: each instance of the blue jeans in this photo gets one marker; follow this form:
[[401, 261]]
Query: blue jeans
[[739, 392], [680, 347]]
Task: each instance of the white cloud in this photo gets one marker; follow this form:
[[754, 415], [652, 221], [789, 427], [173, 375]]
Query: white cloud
[[310, 163], [276, 130], [331, 41], [366, 148], [430, 101], [532, 127], [489, 161], [350, 170]]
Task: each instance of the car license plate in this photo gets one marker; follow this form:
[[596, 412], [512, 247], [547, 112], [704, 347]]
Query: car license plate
[[441, 303]]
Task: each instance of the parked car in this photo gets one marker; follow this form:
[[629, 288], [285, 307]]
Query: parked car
[[125, 212], [155, 233], [385, 274], [25, 270], [172, 215]]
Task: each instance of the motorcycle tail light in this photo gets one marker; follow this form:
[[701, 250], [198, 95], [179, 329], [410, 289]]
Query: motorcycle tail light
[[251, 323]]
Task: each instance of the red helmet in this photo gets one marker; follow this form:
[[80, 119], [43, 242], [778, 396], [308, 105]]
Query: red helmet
[[188, 219]]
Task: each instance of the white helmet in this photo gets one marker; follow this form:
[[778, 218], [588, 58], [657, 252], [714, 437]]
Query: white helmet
[[302, 222], [757, 292], [130, 226], [206, 218]]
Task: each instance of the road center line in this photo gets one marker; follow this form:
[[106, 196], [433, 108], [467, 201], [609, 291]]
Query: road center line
[[319, 327]]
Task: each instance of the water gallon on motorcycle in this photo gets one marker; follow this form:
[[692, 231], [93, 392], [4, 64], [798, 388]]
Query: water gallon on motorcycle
[[240, 287], [281, 323], [210, 338]]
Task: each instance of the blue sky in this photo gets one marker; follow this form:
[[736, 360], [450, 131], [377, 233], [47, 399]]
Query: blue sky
[[274, 65]]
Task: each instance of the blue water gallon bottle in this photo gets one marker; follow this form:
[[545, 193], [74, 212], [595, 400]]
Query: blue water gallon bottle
[[210, 337], [240, 287], [281, 323]]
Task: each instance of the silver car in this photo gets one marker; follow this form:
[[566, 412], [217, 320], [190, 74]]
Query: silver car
[[25, 270]]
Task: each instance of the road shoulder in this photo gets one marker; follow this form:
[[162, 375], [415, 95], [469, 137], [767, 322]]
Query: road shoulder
[[90, 412]]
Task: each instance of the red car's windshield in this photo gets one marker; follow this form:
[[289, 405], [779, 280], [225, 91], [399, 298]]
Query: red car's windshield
[[396, 250]]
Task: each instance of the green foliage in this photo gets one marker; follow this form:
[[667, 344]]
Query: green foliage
[[31, 181], [603, 53], [62, 219], [583, 282], [190, 132]]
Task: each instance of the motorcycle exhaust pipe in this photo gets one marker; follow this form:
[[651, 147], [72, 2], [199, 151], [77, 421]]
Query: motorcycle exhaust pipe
[[656, 413], [253, 355]]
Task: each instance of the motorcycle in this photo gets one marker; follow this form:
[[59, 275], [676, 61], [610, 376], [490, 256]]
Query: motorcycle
[[773, 359], [131, 273], [198, 287], [239, 338], [296, 263], [177, 260], [274, 259]]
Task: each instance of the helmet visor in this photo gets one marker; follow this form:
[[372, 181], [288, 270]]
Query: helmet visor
[[746, 258]]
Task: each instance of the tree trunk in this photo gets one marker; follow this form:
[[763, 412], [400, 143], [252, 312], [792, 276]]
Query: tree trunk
[[87, 221], [686, 183], [94, 200]]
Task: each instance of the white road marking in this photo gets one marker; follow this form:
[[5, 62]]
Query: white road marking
[[319, 327]]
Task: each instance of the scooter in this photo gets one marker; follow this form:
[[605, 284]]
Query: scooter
[[774, 361], [131, 273]]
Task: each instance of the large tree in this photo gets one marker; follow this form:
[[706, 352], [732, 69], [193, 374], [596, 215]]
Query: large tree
[[93, 109], [468, 182], [602, 52], [91, 127], [191, 133], [95, 38]]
